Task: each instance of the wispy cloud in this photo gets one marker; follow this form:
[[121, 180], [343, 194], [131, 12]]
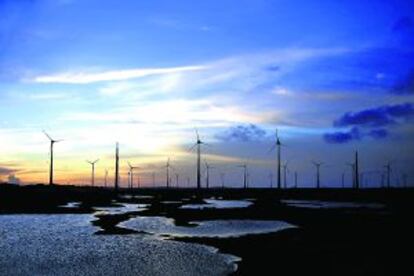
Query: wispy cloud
[[86, 77]]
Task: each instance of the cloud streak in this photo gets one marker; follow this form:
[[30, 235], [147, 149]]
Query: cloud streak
[[117, 75]]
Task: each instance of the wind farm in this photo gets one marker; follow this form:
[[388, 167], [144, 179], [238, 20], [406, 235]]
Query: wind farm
[[206, 138]]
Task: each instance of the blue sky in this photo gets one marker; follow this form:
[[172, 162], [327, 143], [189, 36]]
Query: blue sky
[[145, 73]]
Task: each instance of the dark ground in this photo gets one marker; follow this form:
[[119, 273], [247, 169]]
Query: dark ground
[[327, 241]]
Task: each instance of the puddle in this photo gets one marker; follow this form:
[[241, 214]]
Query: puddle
[[317, 204], [213, 228], [71, 205], [219, 204], [65, 245], [125, 208]]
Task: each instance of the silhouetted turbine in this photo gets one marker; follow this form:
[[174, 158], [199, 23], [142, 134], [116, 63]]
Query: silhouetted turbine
[[388, 168], [167, 167], [198, 145], [296, 179], [93, 171], [271, 179], [117, 166], [222, 176], [318, 179], [278, 145], [352, 165], [177, 175], [285, 171], [244, 166], [356, 170], [52, 142], [208, 167], [106, 177], [131, 170]]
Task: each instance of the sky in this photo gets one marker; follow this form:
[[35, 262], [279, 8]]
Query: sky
[[332, 76]]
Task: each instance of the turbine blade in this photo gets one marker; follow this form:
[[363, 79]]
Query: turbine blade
[[272, 148], [191, 149], [50, 138], [196, 131]]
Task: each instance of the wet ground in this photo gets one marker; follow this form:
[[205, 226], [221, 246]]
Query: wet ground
[[185, 232]]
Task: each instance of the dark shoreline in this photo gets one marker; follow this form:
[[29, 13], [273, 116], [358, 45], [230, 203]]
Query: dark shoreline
[[344, 241]]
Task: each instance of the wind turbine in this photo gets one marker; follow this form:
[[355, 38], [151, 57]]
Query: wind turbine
[[222, 176], [177, 175], [278, 145], [285, 170], [271, 179], [244, 166], [167, 167], [318, 179], [106, 177], [388, 168], [131, 170], [296, 179], [198, 145], [117, 166], [52, 142], [356, 170], [93, 170], [352, 165], [208, 167]]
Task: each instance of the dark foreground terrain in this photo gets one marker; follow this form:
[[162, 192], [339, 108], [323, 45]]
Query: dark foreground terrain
[[373, 237]]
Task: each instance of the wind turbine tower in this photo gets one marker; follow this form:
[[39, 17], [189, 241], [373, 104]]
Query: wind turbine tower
[[244, 166], [131, 170], [106, 178], [117, 167], [388, 168], [52, 142], [285, 170], [93, 171], [278, 145], [222, 176], [198, 145], [318, 178], [177, 176], [296, 180], [167, 167], [208, 167], [356, 170]]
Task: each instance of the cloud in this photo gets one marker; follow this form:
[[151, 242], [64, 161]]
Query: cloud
[[242, 133], [366, 123], [6, 171], [354, 134], [376, 117], [378, 133], [403, 23], [341, 137], [84, 77]]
